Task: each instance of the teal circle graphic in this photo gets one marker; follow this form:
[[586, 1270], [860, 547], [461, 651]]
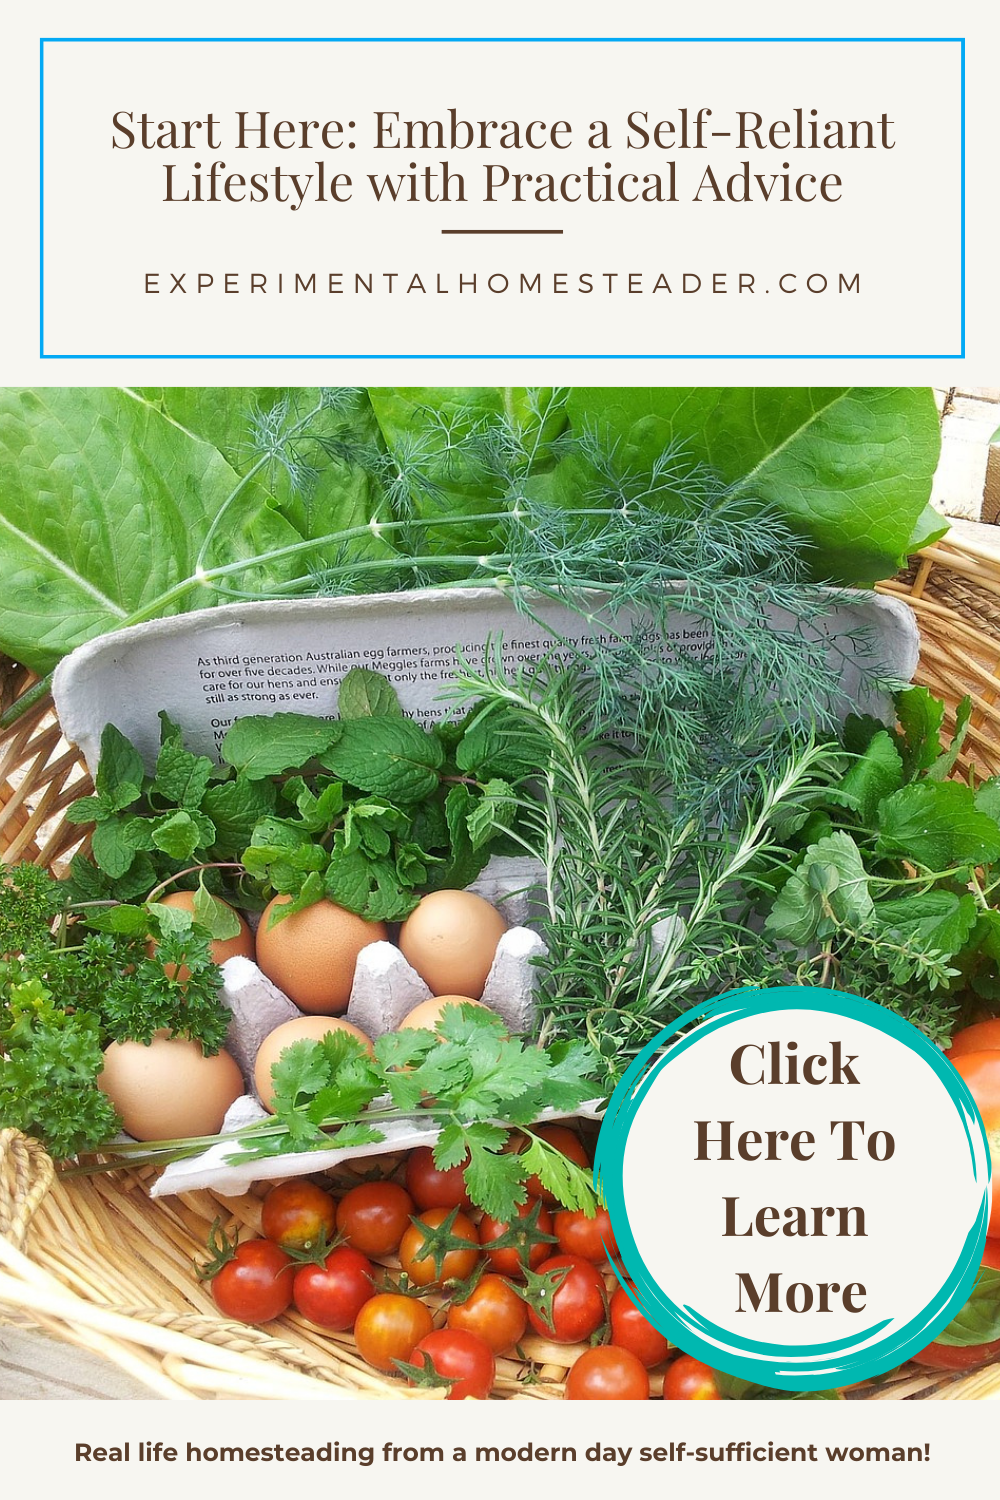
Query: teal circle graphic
[[792, 1367]]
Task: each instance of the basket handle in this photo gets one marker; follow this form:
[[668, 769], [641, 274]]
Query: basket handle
[[26, 1174]]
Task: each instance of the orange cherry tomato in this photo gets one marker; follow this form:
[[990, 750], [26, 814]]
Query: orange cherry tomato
[[494, 1311], [256, 1284], [510, 1259], [389, 1327], [981, 1071], [947, 1357], [296, 1214], [577, 1309], [429, 1187], [462, 1356], [607, 1374], [631, 1330], [456, 1264], [688, 1379], [332, 1295], [984, 1036], [585, 1237]]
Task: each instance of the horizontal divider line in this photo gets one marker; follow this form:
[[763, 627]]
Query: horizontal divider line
[[501, 231]]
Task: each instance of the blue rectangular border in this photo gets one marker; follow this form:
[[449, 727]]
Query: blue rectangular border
[[44, 41]]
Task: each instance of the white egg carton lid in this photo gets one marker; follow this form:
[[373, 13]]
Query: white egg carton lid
[[213, 666]]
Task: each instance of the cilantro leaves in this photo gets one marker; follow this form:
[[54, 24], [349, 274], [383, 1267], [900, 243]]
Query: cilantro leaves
[[467, 1076]]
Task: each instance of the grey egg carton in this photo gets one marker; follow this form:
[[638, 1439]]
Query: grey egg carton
[[384, 991]]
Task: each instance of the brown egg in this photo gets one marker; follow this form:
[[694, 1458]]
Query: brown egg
[[311, 955], [169, 1089], [221, 948], [425, 1016], [303, 1028], [451, 940]]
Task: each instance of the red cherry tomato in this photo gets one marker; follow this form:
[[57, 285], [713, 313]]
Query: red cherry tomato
[[688, 1379], [632, 1331], [494, 1311], [456, 1264], [981, 1071], [389, 1327], [296, 1214], [373, 1216], [585, 1237], [607, 1374], [577, 1309], [464, 1357], [509, 1261], [256, 1285], [429, 1187], [991, 1250], [332, 1295]]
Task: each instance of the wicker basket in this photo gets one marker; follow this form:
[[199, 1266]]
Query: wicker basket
[[106, 1268]]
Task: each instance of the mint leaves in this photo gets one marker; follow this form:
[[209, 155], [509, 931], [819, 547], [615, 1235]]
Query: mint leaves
[[390, 756], [368, 810], [265, 746]]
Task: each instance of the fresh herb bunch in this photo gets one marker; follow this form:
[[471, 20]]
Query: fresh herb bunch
[[368, 810], [642, 546], [638, 891], [65, 994], [892, 880], [467, 1076]]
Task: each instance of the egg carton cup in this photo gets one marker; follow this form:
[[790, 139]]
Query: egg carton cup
[[384, 991]]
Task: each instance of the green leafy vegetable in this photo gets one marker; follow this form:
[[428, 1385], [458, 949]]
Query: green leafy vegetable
[[849, 468], [937, 824], [62, 1002], [893, 873], [978, 1322], [829, 889], [105, 505], [47, 1075], [265, 746], [395, 819]]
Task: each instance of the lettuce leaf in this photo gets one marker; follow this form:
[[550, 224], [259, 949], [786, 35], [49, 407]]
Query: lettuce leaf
[[849, 468], [103, 505]]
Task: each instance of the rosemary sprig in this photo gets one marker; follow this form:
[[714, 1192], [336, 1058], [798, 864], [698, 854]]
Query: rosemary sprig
[[638, 888]]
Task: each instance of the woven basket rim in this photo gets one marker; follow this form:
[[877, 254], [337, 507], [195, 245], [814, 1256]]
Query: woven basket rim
[[179, 1353]]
